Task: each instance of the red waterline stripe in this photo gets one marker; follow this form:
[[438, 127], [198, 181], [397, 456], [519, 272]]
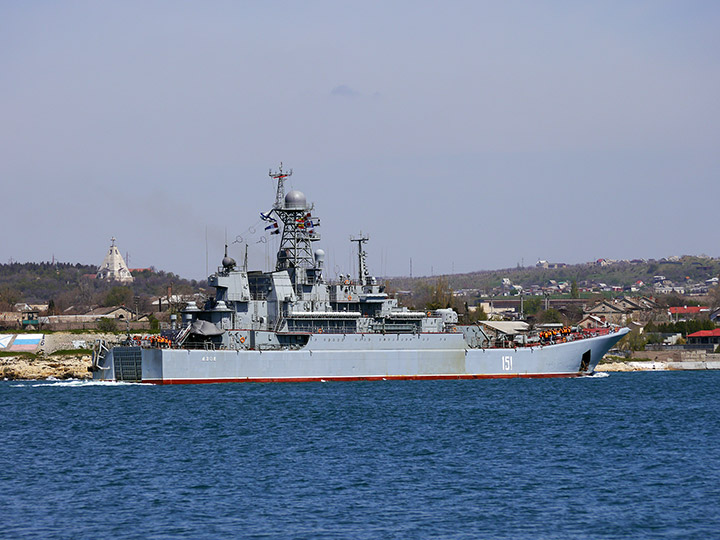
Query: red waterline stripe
[[370, 378]]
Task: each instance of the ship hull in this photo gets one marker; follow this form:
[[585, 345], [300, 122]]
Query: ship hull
[[355, 357]]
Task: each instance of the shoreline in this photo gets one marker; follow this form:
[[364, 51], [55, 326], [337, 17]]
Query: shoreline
[[657, 365], [43, 363], [60, 367]]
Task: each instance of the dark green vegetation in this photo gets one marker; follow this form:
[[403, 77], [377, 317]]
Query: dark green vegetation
[[681, 327], [653, 333], [71, 352], [634, 341], [14, 354], [63, 285], [107, 325]]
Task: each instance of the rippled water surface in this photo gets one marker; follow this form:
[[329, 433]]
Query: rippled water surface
[[632, 455]]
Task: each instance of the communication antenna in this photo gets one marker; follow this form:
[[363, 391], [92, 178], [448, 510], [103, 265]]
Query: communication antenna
[[280, 176], [362, 265]]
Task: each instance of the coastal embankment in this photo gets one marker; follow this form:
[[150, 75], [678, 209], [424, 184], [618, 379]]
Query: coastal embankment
[[60, 355], [674, 360], [63, 366]]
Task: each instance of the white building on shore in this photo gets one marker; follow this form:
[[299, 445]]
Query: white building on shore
[[113, 267]]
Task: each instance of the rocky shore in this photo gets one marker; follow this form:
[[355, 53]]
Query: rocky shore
[[658, 365], [46, 363], [623, 366], [52, 367]]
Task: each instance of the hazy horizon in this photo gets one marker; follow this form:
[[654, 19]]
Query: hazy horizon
[[395, 276]]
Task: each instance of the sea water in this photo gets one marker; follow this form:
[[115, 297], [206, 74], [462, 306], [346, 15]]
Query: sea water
[[630, 455]]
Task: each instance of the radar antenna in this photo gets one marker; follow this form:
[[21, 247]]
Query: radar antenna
[[297, 233], [280, 176], [363, 274]]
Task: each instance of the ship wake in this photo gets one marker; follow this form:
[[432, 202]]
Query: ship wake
[[75, 383], [595, 375]]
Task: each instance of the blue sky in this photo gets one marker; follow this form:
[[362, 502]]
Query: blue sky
[[463, 135]]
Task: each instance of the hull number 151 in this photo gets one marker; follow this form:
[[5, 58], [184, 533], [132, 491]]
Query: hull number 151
[[507, 363]]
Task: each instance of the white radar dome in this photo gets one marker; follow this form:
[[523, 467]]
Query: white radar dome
[[295, 200]]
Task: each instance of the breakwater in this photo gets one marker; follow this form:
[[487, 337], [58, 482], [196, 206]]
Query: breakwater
[[672, 360]]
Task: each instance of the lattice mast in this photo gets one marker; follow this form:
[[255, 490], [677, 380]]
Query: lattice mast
[[298, 230]]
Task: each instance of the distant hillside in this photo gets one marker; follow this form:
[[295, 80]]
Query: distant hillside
[[74, 285], [618, 274], [69, 285]]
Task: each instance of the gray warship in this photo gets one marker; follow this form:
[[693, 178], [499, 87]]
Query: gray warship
[[295, 324]]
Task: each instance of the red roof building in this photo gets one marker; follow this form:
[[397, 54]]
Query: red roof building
[[706, 333], [687, 311], [705, 337]]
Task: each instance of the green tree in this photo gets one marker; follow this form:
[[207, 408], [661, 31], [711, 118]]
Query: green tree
[[714, 297], [532, 305], [119, 296], [441, 295], [549, 316], [478, 314], [8, 298], [686, 327], [574, 293], [106, 324], [154, 324], [634, 341]]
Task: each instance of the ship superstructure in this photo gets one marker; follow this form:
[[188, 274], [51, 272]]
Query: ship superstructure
[[295, 324], [289, 304]]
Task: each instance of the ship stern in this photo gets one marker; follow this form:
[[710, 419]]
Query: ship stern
[[127, 364]]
